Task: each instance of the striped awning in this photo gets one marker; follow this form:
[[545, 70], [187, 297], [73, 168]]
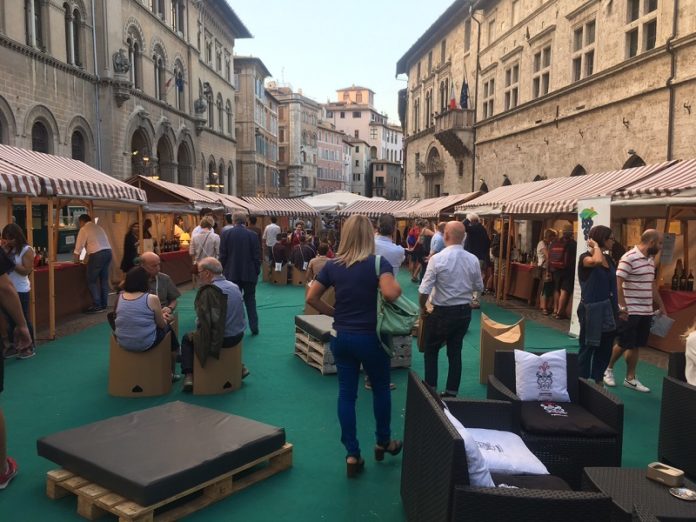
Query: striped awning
[[280, 207], [675, 180], [375, 208], [562, 194], [495, 201], [181, 193], [68, 178], [234, 204], [433, 207], [16, 181]]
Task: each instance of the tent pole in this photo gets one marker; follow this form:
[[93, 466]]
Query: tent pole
[[664, 231], [508, 267], [685, 240], [51, 271], [140, 229], [499, 281], [30, 242]]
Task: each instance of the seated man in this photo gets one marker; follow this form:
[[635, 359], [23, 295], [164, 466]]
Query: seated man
[[302, 254], [160, 284], [210, 273], [279, 250]]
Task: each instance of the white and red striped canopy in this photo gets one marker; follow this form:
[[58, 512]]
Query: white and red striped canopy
[[375, 208], [280, 207], [562, 195], [63, 177], [675, 180], [433, 207]]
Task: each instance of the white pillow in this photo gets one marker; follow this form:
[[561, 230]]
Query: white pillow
[[479, 475], [504, 452], [541, 377]]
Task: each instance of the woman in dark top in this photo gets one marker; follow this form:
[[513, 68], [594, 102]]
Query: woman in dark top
[[130, 248], [354, 277], [598, 308]]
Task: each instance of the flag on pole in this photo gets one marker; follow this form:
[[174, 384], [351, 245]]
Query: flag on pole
[[464, 96], [168, 84], [453, 98]]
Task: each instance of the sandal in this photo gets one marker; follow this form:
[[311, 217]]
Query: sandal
[[393, 447], [544, 312], [354, 468]]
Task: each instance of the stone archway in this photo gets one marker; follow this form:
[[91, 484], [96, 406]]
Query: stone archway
[[142, 164], [165, 160], [434, 174], [184, 165], [231, 182], [579, 170], [633, 161]]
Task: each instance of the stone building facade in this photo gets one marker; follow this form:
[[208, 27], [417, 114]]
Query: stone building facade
[[129, 86], [360, 166], [439, 143], [257, 130], [330, 167], [298, 119], [387, 179], [566, 87]]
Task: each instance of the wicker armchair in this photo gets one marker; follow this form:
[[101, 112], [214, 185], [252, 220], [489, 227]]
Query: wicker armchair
[[565, 455], [434, 477], [678, 419]]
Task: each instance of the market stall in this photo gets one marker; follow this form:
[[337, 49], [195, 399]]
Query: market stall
[[332, 202], [284, 209], [63, 183], [438, 209], [373, 208]]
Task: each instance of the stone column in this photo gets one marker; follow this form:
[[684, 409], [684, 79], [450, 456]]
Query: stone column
[[71, 38]]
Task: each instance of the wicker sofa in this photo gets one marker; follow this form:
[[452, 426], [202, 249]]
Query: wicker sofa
[[565, 455], [434, 478], [678, 418]]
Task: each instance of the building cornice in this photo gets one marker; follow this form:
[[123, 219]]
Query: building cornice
[[46, 58], [584, 7], [542, 34], [517, 50]]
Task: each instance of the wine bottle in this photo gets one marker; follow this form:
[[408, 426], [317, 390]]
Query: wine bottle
[[675, 281], [690, 282], [683, 281]]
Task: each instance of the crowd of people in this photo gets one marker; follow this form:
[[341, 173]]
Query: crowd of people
[[452, 262]]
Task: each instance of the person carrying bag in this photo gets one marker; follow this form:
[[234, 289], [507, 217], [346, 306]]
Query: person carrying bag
[[393, 317]]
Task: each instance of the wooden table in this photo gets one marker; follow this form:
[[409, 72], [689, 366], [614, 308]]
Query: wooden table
[[177, 265], [72, 294]]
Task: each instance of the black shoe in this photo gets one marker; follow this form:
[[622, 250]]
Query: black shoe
[[245, 372], [446, 395], [254, 331], [94, 310]]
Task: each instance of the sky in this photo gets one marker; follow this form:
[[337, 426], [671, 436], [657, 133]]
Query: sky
[[323, 45]]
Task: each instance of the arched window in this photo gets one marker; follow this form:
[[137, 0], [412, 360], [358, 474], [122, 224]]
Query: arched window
[[77, 29], [77, 143], [228, 110], [460, 169], [428, 108], [40, 139], [506, 181], [34, 23], [211, 109], [579, 170], [179, 85], [159, 72], [443, 94], [134, 57], [634, 161], [221, 113]]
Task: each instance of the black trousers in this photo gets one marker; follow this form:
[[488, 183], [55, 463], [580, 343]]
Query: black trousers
[[445, 325], [249, 292]]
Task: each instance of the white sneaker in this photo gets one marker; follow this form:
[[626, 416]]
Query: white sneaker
[[609, 377], [635, 384]]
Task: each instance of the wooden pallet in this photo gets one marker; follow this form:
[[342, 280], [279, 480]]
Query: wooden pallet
[[94, 501]]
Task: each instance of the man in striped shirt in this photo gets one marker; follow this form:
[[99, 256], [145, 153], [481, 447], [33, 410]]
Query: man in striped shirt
[[638, 292]]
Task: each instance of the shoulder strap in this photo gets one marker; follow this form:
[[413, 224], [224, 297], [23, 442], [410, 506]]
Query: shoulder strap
[[377, 263]]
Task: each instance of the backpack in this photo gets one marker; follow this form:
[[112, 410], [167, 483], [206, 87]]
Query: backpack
[[558, 259]]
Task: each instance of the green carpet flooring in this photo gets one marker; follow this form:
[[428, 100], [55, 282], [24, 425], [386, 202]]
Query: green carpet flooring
[[65, 386]]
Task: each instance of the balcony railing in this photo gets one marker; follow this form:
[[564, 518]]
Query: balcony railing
[[454, 119]]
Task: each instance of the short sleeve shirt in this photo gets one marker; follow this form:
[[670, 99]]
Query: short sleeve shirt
[[165, 289], [356, 293], [638, 274]]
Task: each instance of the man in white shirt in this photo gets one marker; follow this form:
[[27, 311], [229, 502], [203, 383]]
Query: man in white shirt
[[270, 234], [93, 239], [204, 212], [384, 246], [437, 243], [450, 281]]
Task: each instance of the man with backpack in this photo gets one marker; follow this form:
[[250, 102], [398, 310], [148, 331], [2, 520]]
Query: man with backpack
[[562, 267]]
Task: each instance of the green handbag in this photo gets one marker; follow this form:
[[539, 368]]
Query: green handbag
[[393, 317]]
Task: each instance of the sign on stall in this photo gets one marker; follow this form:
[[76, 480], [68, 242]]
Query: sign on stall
[[591, 212], [667, 252]]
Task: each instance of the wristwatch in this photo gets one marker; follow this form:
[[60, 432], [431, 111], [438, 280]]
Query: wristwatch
[[623, 308]]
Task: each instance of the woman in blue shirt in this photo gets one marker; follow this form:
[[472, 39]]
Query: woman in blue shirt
[[352, 274], [598, 307]]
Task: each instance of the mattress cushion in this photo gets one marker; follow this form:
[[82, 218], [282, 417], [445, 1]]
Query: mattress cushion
[[318, 326]]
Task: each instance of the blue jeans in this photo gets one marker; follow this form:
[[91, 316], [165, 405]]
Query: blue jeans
[[593, 360], [98, 277], [350, 350]]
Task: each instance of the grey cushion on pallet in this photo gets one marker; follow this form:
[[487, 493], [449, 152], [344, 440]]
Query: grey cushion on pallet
[[318, 326], [152, 454]]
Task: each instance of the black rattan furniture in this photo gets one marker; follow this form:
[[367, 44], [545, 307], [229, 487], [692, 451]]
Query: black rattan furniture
[[631, 492], [565, 447], [435, 481], [677, 438]]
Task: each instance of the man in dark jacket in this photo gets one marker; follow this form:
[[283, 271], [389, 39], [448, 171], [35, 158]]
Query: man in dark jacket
[[240, 255], [478, 243]]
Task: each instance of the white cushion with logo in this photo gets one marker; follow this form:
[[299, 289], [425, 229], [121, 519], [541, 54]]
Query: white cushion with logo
[[541, 377], [479, 475], [504, 452]]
